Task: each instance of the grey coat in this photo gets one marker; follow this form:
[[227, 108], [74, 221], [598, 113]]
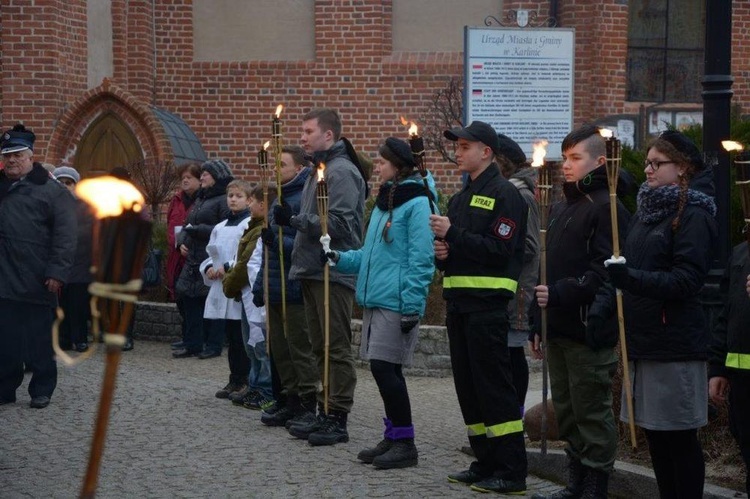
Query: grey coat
[[37, 236], [346, 203]]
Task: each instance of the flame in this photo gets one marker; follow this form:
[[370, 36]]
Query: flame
[[731, 145], [279, 108], [266, 145], [110, 196], [321, 172], [540, 151], [404, 121], [413, 129], [606, 133]]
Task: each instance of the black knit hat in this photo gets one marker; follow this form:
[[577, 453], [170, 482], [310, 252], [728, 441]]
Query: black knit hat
[[510, 149], [685, 146], [217, 168], [401, 152]]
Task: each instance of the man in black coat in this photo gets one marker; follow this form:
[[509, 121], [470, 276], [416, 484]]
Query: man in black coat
[[37, 247]]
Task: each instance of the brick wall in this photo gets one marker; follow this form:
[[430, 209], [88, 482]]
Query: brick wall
[[229, 104]]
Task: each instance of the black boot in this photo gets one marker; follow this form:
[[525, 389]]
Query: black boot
[[595, 484], [402, 454], [367, 455], [331, 431], [576, 476]]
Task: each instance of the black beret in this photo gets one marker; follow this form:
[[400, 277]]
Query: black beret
[[510, 149], [401, 151], [684, 145]]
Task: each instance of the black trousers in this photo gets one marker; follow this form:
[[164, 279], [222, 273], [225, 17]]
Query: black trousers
[[26, 338], [75, 302], [678, 463], [239, 363], [484, 386], [739, 417]]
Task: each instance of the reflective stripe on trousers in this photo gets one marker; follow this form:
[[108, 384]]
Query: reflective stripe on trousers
[[497, 430]]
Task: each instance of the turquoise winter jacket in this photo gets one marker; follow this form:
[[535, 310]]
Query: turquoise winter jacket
[[395, 276]]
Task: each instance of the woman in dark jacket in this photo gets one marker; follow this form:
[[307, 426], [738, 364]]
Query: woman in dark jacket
[[209, 209], [189, 175], [667, 255]]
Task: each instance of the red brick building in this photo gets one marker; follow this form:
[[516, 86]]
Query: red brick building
[[110, 81]]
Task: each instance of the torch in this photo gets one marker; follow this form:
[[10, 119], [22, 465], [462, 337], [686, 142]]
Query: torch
[[742, 180], [120, 241], [544, 190], [417, 150], [325, 240], [263, 163], [277, 150], [614, 160]]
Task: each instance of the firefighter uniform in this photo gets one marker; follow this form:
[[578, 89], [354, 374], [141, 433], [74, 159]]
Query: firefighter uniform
[[486, 246]]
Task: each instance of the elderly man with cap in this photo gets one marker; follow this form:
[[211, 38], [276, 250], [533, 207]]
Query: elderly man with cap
[[74, 296], [480, 248], [37, 245], [209, 208]]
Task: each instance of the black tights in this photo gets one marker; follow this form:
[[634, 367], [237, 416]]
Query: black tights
[[392, 386], [519, 368], [678, 463]]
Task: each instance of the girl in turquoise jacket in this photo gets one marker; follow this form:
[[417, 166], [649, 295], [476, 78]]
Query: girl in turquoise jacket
[[395, 268]]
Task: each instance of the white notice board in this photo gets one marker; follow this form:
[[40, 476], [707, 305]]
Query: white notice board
[[520, 80]]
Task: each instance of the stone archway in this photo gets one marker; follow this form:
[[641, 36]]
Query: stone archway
[[107, 122]]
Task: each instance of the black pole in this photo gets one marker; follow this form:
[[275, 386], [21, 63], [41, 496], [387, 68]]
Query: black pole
[[717, 98]]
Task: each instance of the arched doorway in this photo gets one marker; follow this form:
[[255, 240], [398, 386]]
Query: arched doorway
[[108, 142]]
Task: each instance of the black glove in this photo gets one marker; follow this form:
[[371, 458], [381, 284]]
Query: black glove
[[408, 322], [598, 336], [331, 255], [258, 300], [282, 214], [190, 229], [268, 237], [619, 275]]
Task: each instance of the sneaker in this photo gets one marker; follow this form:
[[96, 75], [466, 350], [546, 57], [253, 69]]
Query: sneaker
[[178, 345], [305, 426], [402, 454], [501, 486], [367, 455], [257, 403], [330, 432], [209, 354], [231, 387], [238, 395], [278, 417], [251, 394], [39, 402], [467, 477]]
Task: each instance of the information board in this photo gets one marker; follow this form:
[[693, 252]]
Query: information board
[[520, 80]]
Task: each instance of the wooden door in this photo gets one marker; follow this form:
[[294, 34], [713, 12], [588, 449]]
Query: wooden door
[[107, 143]]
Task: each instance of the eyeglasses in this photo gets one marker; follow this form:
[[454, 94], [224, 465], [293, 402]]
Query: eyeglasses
[[67, 182], [655, 165]]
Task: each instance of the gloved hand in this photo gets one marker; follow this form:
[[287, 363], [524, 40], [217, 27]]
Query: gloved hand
[[330, 257], [190, 229], [619, 275], [258, 300], [408, 322], [597, 336], [282, 214], [268, 237]]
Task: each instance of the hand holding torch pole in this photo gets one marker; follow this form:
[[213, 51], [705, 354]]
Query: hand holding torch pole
[[614, 160], [277, 150], [325, 240], [544, 190], [263, 163]]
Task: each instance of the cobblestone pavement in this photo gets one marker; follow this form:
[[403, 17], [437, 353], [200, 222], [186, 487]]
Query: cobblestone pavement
[[170, 437]]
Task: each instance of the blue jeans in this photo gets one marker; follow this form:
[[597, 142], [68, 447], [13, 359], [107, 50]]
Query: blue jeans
[[259, 378]]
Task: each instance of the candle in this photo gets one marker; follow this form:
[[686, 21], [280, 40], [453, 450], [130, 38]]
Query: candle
[[263, 156]]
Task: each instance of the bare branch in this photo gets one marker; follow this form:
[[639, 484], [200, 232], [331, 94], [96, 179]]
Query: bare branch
[[157, 180], [445, 111]]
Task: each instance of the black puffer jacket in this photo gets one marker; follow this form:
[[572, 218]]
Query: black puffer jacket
[[37, 236], [732, 328], [579, 239], [664, 320], [209, 209]]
